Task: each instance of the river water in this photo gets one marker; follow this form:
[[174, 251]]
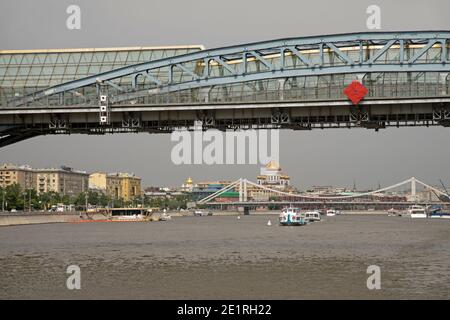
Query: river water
[[221, 257]]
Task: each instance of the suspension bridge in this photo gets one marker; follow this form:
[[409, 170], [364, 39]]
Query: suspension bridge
[[247, 189]]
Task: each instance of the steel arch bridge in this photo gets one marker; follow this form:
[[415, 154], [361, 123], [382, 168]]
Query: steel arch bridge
[[292, 83]]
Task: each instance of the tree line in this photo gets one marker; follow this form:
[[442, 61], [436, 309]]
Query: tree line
[[14, 197]]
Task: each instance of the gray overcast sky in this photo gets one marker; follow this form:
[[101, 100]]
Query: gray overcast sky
[[319, 157]]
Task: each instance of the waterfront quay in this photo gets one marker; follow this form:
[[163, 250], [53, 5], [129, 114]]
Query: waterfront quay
[[223, 257]]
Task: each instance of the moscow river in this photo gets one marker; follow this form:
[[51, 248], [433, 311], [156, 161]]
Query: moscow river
[[222, 257]]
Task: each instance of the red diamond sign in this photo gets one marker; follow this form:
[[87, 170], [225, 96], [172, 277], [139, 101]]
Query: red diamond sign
[[356, 91]]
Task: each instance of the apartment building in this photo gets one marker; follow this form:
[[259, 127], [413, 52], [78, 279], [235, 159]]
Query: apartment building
[[65, 181], [22, 175], [116, 185]]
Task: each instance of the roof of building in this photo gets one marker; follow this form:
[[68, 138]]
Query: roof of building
[[123, 175], [61, 170], [10, 166], [64, 169]]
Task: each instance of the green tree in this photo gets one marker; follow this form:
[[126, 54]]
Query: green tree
[[104, 200], [93, 197], [80, 199], [14, 197]]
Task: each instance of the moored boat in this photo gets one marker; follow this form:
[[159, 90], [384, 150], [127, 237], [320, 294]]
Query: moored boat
[[436, 212], [393, 213], [417, 211], [331, 212], [312, 216], [440, 214]]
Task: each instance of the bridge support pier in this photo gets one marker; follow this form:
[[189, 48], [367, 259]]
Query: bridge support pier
[[413, 189], [243, 190]]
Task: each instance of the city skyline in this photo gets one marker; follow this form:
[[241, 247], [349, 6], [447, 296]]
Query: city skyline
[[354, 185], [332, 157]]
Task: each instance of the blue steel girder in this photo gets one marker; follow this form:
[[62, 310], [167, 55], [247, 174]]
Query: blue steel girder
[[358, 53]]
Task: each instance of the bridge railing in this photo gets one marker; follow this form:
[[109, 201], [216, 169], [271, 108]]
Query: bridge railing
[[248, 94], [299, 94]]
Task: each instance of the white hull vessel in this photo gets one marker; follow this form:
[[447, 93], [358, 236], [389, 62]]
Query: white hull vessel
[[312, 216], [440, 216], [417, 212], [332, 213], [437, 212], [418, 215]]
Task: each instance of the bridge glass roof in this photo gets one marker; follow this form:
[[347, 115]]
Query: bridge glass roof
[[25, 71]]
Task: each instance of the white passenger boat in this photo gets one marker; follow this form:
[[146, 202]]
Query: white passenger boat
[[312, 216], [417, 211], [292, 217], [331, 213]]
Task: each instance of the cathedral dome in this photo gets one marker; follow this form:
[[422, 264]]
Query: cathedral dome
[[273, 165]]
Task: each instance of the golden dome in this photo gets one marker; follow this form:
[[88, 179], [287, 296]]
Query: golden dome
[[188, 181], [273, 165]]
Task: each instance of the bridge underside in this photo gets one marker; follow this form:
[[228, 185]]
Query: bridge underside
[[376, 114]]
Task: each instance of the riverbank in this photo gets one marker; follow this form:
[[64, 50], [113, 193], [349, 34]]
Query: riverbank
[[26, 218]]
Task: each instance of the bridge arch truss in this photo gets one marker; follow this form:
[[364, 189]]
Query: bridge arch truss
[[392, 65]]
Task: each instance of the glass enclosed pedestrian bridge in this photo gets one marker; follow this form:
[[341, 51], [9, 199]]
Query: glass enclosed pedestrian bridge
[[294, 83], [390, 65]]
